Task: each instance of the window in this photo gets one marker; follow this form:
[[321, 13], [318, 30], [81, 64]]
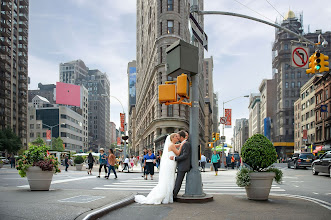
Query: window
[[44, 134], [292, 84], [292, 76], [161, 53], [286, 75], [178, 6], [31, 126], [299, 84], [31, 117], [170, 5], [160, 28], [298, 74], [31, 134], [326, 94], [161, 6], [286, 85], [170, 111], [287, 103], [178, 28], [285, 47], [170, 29]]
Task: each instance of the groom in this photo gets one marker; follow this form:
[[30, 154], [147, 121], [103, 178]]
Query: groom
[[183, 161]]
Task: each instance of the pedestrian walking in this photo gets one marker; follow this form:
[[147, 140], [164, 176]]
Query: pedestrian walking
[[111, 162], [126, 164], [103, 162], [203, 162], [90, 162], [131, 163], [150, 160], [215, 159], [232, 161], [143, 162], [66, 163], [12, 161]]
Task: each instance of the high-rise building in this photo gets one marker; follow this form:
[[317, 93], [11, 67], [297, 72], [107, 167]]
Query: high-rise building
[[132, 80], [240, 134], [112, 129], [14, 66], [289, 80], [159, 24]]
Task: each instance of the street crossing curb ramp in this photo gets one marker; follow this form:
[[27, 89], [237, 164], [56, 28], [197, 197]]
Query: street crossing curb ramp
[[95, 214]]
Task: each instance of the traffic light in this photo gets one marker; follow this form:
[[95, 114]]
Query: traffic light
[[324, 63], [183, 86], [317, 62], [167, 93], [217, 136], [214, 136], [211, 144], [311, 65]]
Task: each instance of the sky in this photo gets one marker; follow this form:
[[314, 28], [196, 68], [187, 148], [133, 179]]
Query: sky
[[102, 33]]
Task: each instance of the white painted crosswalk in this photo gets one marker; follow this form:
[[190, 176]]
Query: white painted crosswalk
[[209, 186]]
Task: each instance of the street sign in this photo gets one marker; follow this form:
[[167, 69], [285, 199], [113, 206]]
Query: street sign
[[300, 57], [197, 32], [223, 120], [222, 139]]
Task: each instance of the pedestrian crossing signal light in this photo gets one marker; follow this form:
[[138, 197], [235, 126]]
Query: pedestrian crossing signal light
[[324, 63], [167, 93], [317, 62], [311, 69], [214, 136], [211, 144], [217, 136], [183, 86]]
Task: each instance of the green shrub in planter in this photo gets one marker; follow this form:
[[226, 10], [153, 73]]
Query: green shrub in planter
[[259, 154], [78, 160]]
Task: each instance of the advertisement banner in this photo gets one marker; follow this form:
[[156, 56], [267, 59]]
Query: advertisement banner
[[227, 114], [48, 135], [67, 94], [122, 115], [118, 141], [304, 136]]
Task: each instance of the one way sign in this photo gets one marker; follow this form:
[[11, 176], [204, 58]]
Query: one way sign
[[198, 32]]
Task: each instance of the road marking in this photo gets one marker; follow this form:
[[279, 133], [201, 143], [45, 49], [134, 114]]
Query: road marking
[[315, 193], [64, 181], [317, 201], [295, 185]]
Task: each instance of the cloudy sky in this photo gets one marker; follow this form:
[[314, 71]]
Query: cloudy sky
[[102, 34]]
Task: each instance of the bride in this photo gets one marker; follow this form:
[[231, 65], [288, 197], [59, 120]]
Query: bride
[[163, 191]]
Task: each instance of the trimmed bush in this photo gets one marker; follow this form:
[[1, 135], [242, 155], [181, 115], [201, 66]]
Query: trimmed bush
[[78, 160], [258, 152]]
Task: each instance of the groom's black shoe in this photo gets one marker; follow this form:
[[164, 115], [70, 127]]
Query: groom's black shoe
[[175, 199]]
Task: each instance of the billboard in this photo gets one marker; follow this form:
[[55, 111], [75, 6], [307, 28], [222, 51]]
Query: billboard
[[132, 85], [304, 136], [48, 135], [227, 114], [67, 94], [122, 115]]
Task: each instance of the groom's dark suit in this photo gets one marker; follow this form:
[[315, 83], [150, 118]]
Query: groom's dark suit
[[183, 166]]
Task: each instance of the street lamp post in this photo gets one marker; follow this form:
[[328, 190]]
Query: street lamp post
[[223, 154], [51, 127]]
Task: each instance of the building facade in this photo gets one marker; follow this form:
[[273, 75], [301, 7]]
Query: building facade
[[112, 133], [132, 80], [297, 126], [240, 134], [14, 67], [323, 111], [47, 91], [159, 24], [254, 120]]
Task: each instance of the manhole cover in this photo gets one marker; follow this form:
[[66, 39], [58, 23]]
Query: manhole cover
[[82, 199]]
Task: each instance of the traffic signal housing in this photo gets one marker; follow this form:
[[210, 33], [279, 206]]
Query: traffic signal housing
[[317, 61], [311, 69], [217, 136], [183, 86], [167, 93], [211, 144], [324, 63], [214, 136]]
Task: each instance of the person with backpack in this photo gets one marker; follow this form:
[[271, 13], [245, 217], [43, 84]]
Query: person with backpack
[[215, 159], [90, 161], [103, 162]]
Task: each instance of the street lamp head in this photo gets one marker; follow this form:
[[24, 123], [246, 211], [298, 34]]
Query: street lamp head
[[246, 96]]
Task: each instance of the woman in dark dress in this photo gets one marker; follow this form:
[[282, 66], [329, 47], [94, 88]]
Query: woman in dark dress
[[150, 160], [90, 161]]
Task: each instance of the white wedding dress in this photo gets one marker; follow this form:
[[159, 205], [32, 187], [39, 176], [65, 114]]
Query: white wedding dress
[[163, 191]]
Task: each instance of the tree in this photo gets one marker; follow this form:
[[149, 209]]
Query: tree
[[38, 142], [9, 141], [57, 144]]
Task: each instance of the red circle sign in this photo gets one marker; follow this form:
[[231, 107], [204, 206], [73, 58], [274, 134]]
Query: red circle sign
[[303, 57]]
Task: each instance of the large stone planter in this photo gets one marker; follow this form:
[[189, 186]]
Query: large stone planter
[[79, 167], [260, 186], [39, 180]]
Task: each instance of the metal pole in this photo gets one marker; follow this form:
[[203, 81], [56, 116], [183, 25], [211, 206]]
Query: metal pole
[[193, 177], [51, 138]]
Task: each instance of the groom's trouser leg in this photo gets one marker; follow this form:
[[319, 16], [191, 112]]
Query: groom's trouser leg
[[179, 180]]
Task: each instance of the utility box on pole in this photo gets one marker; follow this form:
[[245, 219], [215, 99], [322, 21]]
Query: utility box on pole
[[182, 57]]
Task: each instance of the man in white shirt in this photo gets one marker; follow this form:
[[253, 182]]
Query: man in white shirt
[[203, 162], [126, 164]]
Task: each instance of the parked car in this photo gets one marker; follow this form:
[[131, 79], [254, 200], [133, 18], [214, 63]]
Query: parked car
[[323, 164], [5, 160], [300, 160]]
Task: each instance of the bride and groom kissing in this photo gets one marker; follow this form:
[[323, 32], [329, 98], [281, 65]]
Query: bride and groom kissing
[[174, 156]]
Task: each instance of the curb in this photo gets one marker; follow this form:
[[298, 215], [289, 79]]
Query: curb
[[105, 210]]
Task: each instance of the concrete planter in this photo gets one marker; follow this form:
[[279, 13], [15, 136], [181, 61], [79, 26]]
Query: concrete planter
[[39, 180], [260, 186], [79, 167]]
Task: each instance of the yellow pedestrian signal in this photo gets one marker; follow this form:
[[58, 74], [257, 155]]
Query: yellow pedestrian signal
[[324, 63], [183, 86], [167, 93], [217, 136], [214, 136], [211, 144], [311, 69]]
